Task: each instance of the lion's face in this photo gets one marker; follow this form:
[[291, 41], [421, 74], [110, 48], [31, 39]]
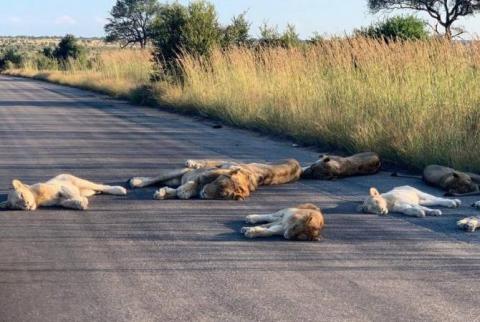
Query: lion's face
[[374, 204], [305, 226], [234, 186], [459, 182], [21, 197], [324, 167]]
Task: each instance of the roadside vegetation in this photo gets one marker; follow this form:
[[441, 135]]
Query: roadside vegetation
[[392, 87]]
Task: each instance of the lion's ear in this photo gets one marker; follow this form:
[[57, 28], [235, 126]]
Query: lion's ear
[[326, 160], [17, 184], [456, 175], [374, 192]]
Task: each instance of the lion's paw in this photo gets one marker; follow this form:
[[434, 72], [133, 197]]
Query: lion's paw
[[160, 194], [435, 212], [81, 204], [136, 182], [193, 164], [469, 224], [249, 232], [250, 219], [165, 193], [455, 203], [118, 191]]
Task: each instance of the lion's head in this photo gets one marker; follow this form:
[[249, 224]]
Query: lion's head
[[324, 167], [306, 225], [20, 197], [459, 182], [374, 204], [234, 186]]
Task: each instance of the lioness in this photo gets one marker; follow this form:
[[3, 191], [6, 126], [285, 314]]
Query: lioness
[[303, 222], [469, 224], [406, 200], [330, 167], [219, 179], [455, 183], [63, 190]]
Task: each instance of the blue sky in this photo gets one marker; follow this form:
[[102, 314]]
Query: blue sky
[[87, 17]]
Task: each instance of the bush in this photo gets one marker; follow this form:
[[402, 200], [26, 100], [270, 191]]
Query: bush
[[202, 31], [68, 48], [271, 37], [48, 52], [11, 58], [193, 29], [237, 33], [42, 62], [396, 28]]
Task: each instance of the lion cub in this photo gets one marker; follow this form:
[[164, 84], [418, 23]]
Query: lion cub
[[303, 222], [63, 190], [406, 200]]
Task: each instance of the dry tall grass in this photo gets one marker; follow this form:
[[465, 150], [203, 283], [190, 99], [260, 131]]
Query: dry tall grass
[[417, 102], [116, 73]]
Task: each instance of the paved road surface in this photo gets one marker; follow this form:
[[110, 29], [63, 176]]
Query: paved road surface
[[135, 259]]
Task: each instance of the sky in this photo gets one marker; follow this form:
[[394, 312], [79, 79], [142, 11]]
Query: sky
[[87, 17]]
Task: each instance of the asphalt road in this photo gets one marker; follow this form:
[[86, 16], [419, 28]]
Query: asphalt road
[[136, 259]]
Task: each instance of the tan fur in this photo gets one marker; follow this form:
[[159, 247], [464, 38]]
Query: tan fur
[[406, 200], [219, 179], [63, 190], [451, 180], [303, 222], [330, 167]]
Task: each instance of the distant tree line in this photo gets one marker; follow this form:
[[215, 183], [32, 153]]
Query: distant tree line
[[172, 29]]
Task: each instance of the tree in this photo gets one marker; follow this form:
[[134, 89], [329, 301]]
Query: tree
[[237, 33], [401, 28], [444, 12], [202, 30], [68, 48], [131, 21], [167, 32], [193, 29]]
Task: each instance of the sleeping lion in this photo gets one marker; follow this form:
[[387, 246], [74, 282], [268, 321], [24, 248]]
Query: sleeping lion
[[454, 182], [330, 167], [303, 222], [63, 190], [219, 179], [406, 200]]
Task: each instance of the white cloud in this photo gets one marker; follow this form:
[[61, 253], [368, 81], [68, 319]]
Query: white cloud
[[65, 20]]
